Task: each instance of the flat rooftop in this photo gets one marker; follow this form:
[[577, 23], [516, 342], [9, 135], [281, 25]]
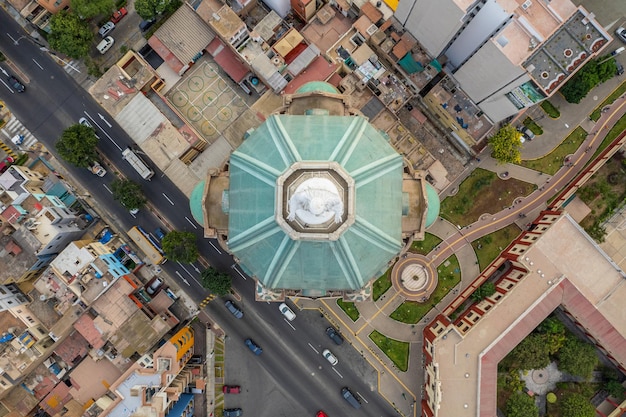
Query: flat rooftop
[[565, 268]]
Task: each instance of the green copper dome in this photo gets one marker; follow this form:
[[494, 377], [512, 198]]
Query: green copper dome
[[195, 202], [315, 202], [433, 205], [320, 86]]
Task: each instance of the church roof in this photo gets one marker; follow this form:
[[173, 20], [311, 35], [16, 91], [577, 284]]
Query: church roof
[[361, 249]]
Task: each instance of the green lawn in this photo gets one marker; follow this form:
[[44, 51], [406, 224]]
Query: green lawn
[[595, 115], [425, 246], [552, 162], [550, 109], [618, 128], [488, 247], [482, 192], [533, 126], [396, 350], [381, 285], [349, 308], [449, 276]]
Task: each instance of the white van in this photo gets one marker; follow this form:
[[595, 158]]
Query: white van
[[105, 45]]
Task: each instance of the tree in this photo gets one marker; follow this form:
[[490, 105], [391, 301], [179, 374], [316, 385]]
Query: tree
[[89, 8], [77, 145], [590, 75], [577, 358], [180, 246], [615, 389], [128, 193], [554, 334], [531, 353], [149, 9], [218, 283], [70, 35], [521, 405], [576, 405], [485, 290], [506, 144]]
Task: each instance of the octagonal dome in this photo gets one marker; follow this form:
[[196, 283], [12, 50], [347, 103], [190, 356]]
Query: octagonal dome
[[315, 202]]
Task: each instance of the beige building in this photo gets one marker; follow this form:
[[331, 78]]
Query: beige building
[[554, 264]]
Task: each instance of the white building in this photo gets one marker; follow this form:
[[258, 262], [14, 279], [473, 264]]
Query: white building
[[505, 54]]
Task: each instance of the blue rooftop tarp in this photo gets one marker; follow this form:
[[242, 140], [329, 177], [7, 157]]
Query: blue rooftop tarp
[[410, 65]]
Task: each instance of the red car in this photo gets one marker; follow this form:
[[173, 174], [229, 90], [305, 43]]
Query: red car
[[321, 414], [118, 15], [4, 165], [231, 389]]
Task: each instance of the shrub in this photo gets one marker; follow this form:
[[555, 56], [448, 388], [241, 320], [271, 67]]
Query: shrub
[[551, 397]]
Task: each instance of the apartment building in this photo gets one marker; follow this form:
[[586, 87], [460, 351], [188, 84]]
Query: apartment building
[[39, 12], [540, 271], [506, 55]]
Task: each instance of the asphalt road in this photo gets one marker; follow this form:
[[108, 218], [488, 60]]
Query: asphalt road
[[290, 377]]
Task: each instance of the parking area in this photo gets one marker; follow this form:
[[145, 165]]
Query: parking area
[[207, 100]]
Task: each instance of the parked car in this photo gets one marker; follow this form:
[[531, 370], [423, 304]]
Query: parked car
[[6, 163], [619, 68], [330, 357], [618, 51], [527, 134], [83, 121], [233, 309], [105, 45], [146, 24], [321, 414], [97, 169], [106, 29], [159, 233], [119, 14], [16, 84], [334, 335], [232, 412], [621, 33], [231, 389], [287, 312], [256, 349]]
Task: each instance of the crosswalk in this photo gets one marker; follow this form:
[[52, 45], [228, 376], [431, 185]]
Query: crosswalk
[[13, 128]]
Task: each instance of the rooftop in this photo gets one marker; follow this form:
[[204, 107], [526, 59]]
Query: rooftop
[[284, 143], [556, 275]]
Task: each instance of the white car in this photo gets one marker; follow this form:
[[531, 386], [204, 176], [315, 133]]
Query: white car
[[287, 312], [330, 357], [621, 32]]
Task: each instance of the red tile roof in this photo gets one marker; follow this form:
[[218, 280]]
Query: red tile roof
[[319, 70], [167, 55], [227, 60], [88, 330], [73, 349]]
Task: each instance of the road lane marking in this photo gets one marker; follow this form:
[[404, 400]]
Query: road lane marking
[[314, 350], [108, 189], [167, 198], [234, 266], [362, 397], [341, 376], [191, 223], [102, 130], [215, 247], [37, 63], [290, 325]]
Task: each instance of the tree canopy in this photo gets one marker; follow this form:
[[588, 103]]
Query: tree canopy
[[506, 144], [577, 358], [128, 193], [576, 405], [521, 405], [485, 290], [77, 145], [590, 75], [70, 35], [90, 8], [217, 282], [531, 353], [180, 246], [149, 9]]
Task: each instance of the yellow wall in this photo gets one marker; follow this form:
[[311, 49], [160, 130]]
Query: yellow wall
[[183, 340]]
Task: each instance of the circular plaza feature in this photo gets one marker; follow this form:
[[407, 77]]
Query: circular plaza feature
[[413, 277]]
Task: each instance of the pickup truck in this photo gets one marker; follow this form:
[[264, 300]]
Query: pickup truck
[[97, 169]]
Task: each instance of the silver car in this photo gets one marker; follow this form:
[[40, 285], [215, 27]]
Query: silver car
[[328, 355], [106, 29], [621, 33]]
